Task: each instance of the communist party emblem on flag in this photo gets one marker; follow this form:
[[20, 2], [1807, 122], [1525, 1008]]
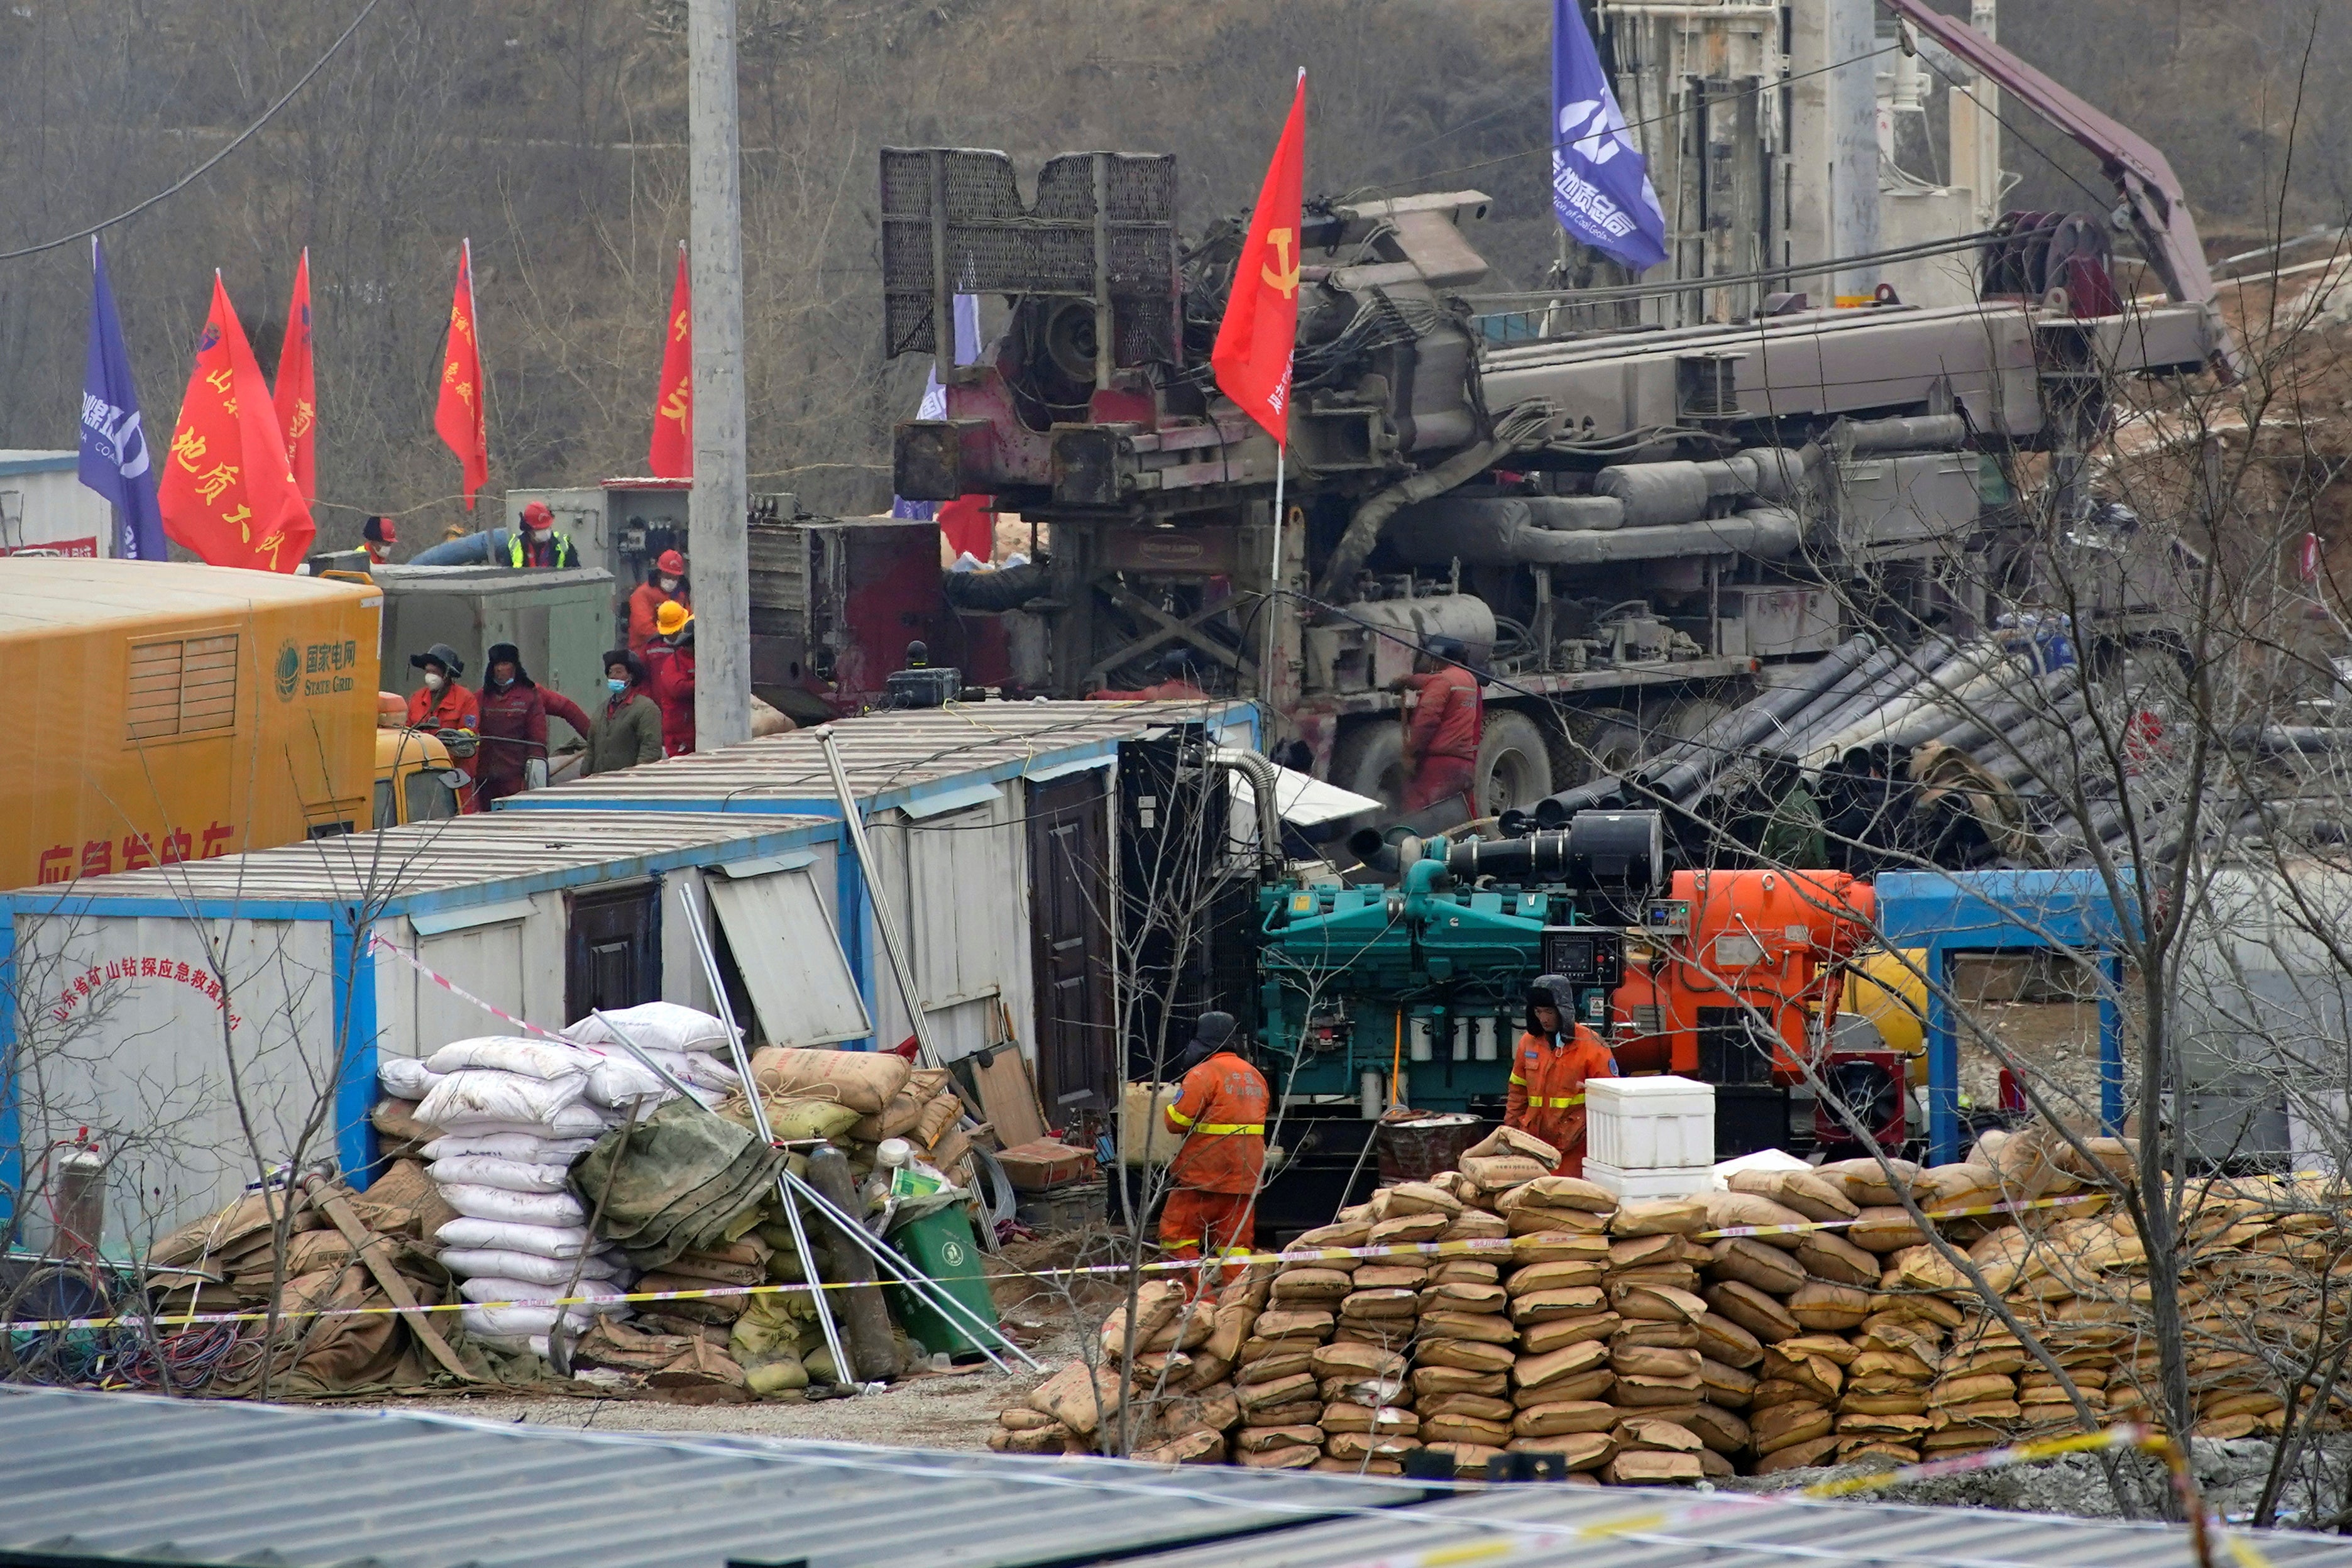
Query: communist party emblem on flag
[[673, 448], [297, 395], [457, 417], [226, 492], [1252, 358]]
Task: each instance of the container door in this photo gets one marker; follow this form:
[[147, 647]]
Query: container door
[[613, 954], [1070, 942], [790, 962]]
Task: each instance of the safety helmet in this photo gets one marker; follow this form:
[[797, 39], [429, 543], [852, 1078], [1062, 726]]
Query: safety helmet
[[670, 563], [671, 618], [537, 516]]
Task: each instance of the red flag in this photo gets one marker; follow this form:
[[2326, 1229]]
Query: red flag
[[226, 492], [457, 417], [673, 450], [296, 394], [1252, 358]]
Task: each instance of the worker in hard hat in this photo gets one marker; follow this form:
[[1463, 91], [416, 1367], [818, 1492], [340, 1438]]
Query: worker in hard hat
[[537, 543], [1442, 720], [448, 710], [666, 584], [1220, 1114], [1549, 1068], [377, 535], [669, 676]]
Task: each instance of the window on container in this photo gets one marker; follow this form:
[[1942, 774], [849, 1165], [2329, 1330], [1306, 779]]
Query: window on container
[[184, 687], [429, 799]]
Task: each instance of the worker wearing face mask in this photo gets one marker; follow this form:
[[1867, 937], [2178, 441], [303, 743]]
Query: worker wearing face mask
[[1554, 1060], [537, 543], [515, 710], [626, 729], [666, 584], [448, 710]]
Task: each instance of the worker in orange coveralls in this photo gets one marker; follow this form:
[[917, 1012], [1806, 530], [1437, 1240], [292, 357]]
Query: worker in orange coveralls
[[1442, 729], [1212, 1209], [1548, 1071]]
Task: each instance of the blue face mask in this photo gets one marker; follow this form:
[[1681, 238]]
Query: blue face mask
[[616, 686]]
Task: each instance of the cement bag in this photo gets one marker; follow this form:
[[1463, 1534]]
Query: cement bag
[[796, 1119], [653, 1025], [509, 1323], [560, 1242], [488, 1170], [513, 1054], [478, 1099], [529, 1147], [620, 1082], [494, 1263], [515, 1207], [705, 1071], [405, 1078], [865, 1080]]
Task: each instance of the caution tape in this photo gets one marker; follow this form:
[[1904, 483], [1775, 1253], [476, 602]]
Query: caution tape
[[1463, 1248]]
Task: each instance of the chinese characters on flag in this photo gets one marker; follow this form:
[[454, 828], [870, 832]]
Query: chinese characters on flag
[[295, 396], [457, 417], [1252, 358], [226, 492], [673, 448]]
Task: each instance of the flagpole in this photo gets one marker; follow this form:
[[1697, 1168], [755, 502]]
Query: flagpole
[[1273, 585]]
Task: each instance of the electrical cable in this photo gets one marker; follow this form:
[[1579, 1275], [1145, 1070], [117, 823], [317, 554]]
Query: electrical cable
[[1546, 298], [192, 175]]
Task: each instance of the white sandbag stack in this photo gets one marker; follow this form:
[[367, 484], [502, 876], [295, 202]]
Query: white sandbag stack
[[691, 1046], [513, 1114]]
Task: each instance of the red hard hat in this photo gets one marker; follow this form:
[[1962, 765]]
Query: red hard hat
[[671, 563], [536, 515]]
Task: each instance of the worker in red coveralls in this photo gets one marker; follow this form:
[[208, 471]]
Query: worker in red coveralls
[[1442, 727], [1548, 1070], [1220, 1114], [447, 710], [514, 714], [670, 662], [666, 584]]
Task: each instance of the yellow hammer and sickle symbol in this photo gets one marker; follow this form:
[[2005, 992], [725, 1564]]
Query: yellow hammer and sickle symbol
[[1284, 273]]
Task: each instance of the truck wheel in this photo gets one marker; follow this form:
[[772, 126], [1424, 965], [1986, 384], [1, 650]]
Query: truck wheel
[[1370, 760], [1684, 720], [1601, 742], [1514, 764]]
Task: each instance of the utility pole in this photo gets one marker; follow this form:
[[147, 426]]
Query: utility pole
[[718, 504]]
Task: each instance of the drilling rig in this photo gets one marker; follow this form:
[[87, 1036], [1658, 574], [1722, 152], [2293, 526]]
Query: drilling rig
[[1621, 526]]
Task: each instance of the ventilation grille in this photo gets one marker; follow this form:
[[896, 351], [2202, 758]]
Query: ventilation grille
[[181, 688]]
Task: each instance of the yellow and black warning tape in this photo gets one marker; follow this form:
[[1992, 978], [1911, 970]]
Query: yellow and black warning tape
[[1468, 1247]]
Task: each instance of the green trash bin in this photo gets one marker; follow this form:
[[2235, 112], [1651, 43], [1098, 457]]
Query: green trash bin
[[942, 1246]]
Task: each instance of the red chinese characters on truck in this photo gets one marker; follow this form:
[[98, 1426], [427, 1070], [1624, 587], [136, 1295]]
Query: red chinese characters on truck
[[87, 984], [137, 851]]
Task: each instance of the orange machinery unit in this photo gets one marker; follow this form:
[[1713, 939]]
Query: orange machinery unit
[[1733, 969]]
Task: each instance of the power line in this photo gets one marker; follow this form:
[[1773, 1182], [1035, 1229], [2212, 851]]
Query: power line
[[192, 175]]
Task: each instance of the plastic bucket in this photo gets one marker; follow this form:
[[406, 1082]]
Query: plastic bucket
[[1416, 1145]]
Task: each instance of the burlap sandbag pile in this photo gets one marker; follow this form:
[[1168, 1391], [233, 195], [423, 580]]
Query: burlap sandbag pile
[[1645, 1349]]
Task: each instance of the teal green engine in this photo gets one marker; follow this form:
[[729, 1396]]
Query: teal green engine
[[1427, 979]]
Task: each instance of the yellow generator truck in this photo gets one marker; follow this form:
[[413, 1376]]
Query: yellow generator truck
[[160, 712]]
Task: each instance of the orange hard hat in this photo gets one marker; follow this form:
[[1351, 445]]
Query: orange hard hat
[[671, 618]]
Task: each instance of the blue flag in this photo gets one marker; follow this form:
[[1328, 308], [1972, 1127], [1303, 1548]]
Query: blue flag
[[1600, 186], [114, 459]]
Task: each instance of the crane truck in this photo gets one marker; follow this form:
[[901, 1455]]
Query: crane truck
[[1620, 527]]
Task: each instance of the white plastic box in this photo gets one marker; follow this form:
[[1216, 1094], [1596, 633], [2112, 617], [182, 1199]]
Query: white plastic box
[[1633, 1186], [1650, 1123]]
